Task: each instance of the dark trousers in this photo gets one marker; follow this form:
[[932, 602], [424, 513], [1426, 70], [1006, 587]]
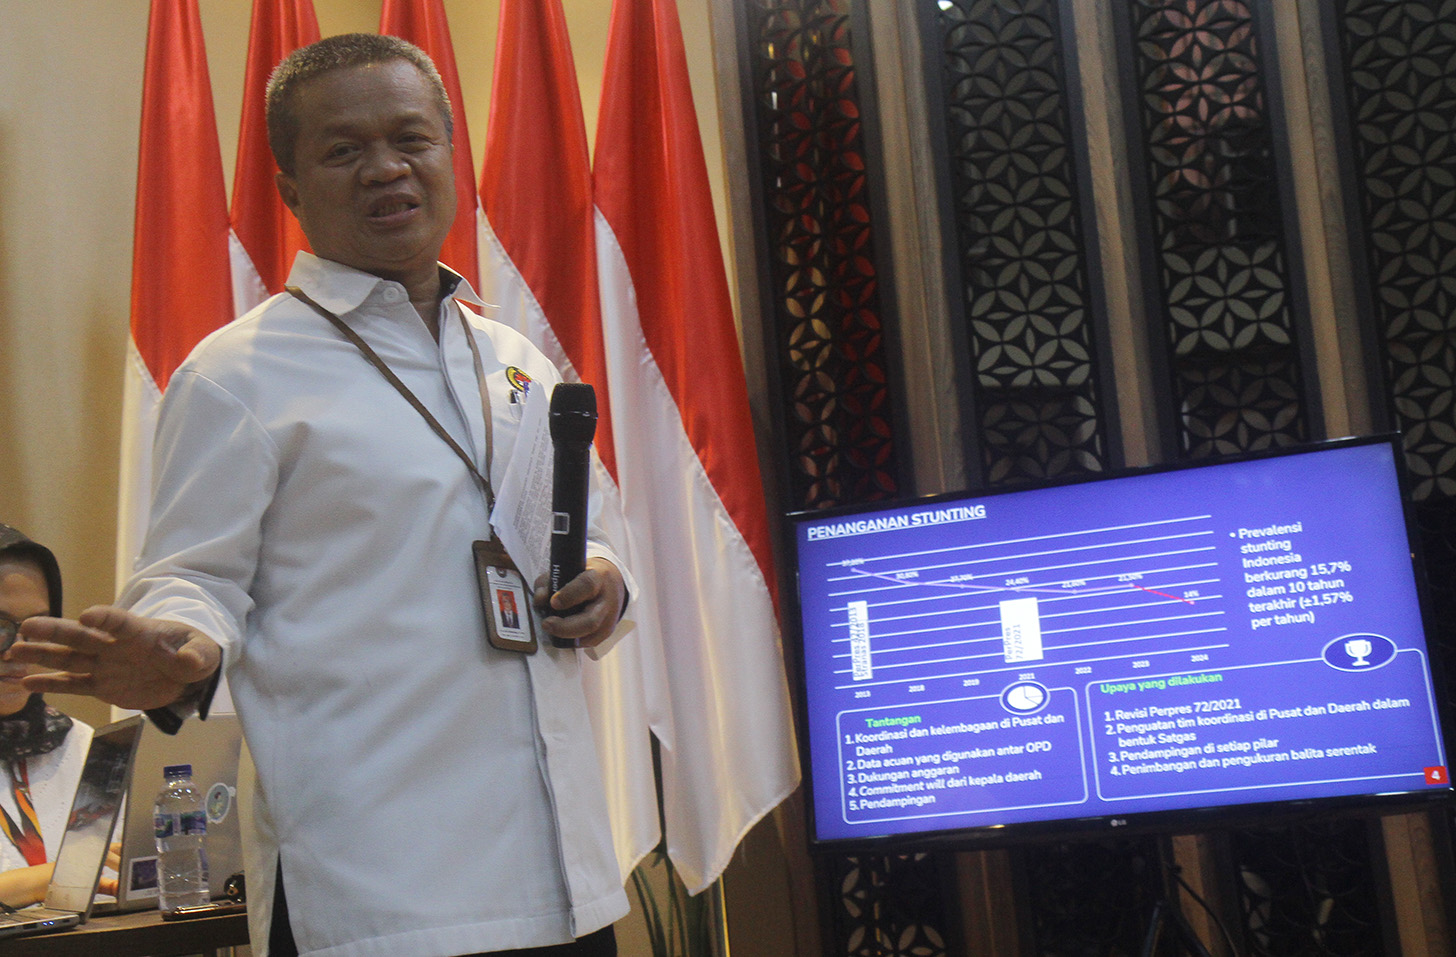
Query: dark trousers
[[603, 943]]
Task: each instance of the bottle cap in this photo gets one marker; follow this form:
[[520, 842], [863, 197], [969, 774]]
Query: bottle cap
[[177, 771]]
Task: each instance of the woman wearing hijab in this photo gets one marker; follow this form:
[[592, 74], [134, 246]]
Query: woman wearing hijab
[[41, 750]]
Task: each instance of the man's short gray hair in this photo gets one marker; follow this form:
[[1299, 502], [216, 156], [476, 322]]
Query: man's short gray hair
[[327, 55]]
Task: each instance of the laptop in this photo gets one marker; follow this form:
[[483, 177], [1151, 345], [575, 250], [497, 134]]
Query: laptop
[[213, 748], [82, 852]]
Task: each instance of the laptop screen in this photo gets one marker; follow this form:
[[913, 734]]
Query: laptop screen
[[212, 748], [99, 794]]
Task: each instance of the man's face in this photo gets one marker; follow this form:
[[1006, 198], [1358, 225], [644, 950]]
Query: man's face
[[373, 184], [23, 594]]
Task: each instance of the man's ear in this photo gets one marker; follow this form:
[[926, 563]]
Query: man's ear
[[288, 190]]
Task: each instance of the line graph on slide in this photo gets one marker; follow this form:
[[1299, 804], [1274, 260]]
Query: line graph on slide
[[1089, 594]]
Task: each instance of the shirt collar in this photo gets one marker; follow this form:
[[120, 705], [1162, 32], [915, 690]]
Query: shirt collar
[[342, 289]]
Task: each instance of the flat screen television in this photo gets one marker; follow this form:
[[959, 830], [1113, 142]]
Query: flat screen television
[[1165, 648]]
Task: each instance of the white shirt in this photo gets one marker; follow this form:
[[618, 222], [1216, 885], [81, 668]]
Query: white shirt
[[53, 778], [428, 793]]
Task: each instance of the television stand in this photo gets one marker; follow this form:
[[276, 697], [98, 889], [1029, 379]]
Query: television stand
[[1166, 912]]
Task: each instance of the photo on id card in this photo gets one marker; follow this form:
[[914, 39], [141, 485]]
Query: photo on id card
[[507, 608]]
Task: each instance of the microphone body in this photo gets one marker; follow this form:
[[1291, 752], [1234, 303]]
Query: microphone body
[[573, 420]]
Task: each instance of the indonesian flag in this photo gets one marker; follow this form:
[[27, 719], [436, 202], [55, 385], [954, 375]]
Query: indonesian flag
[[180, 287], [539, 270], [266, 236], [422, 22], [685, 449]]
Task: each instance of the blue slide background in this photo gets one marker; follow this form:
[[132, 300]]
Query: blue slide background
[[1223, 634]]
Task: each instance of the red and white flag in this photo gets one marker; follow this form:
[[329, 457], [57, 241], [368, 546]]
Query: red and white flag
[[181, 287], [422, 22], [539, 269], [266, 236], [685, 449]]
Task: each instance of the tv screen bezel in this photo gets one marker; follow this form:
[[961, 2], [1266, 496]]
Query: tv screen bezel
[[1102, 825]]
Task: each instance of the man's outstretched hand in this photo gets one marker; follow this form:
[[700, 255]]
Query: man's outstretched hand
[[123, 659]]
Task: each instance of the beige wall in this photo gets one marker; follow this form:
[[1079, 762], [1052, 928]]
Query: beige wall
[[70, 106]]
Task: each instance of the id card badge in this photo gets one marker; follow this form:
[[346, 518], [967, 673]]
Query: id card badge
[[505, 600]]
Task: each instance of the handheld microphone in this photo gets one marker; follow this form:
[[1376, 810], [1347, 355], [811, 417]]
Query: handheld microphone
[[573, 421]]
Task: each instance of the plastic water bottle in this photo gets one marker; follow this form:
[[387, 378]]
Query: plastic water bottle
[[181, 828]]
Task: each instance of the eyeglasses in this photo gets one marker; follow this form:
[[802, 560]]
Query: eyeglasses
[[9, 632]]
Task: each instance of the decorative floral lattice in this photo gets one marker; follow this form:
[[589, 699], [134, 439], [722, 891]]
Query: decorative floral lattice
[[1222, 274], [1092, 898], [834, 365], [1307, 890], [1022, 251], [892, 906], [1400, 69], [1399, 92], [837, 404]]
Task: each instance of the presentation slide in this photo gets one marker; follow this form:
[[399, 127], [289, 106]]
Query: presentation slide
[[1218, 635]]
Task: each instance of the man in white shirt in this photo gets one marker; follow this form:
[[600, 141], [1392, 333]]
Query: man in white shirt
[[421, 791]]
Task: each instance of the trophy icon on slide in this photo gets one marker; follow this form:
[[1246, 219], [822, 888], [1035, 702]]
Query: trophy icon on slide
[[1359, 649]]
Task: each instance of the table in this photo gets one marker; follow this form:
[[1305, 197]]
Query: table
[[138, 934]]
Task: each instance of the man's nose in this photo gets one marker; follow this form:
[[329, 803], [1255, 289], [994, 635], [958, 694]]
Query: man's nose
[[383, 164]]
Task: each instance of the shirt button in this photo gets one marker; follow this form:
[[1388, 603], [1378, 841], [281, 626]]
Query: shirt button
[[393, 294]]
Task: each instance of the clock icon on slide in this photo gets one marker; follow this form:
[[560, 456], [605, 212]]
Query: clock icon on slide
[[1025, 697]]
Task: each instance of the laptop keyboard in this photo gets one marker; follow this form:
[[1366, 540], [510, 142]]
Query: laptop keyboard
[[33, 915]]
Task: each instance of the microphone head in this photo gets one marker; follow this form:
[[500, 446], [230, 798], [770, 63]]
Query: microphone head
[[573, 413]]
